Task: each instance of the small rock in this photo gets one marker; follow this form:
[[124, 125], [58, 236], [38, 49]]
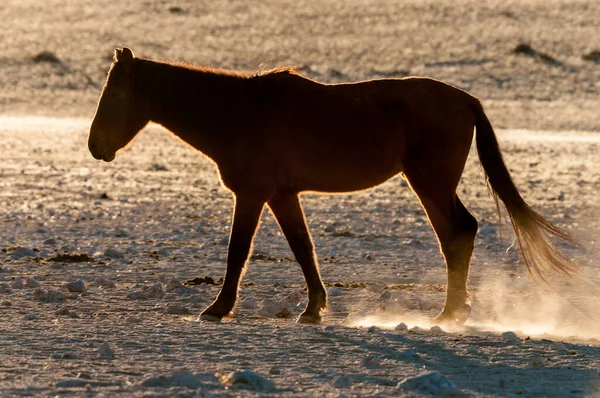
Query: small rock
[[77, 286], [30, 283], [510, 337], [410, 355], [249, 380], [472, 349], [48, 296], [181, 378], [372, 329], [104, 283], [17, 284], [429, 383], [46, 56], [401, 327], [341, 381], [296, 296], [30, 317], [436, 329], [176, 309], [537, 362], [224, 241], [112, 253], [6, 303], [104, 351], [385, 296], [64, 310], [335, 292], [22, 252], [275, 310], [371, 361], [558, 346], [249, 303], [64, 355], [50, 242], [147, 292]]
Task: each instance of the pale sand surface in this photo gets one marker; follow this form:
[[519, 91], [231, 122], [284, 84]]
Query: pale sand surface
[[160, 206]]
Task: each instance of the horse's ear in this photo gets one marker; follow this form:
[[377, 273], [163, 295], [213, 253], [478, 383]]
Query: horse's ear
[[124, 55]]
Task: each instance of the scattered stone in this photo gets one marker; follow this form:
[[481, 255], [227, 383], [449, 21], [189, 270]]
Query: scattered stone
[[176, 309], [429, 383], [46, 57], [48, 296], [82, 382], [385, 296], [198, 281], [148, 292], [22, 252], [176, 10], [30, 317], [249, 303], [410, 355], [472, 349], [248, 380], [104, 283], [558, 346], [371, 361], [537, 362], [17, 284], [64, 310], [104, 351], [436, 329], [275, 310], [593, 56], [64, 355], [335, 292], [70, 258], [77, 286], [372, 329], [510, 337], [224, 241], [6, 303], [401, 327], [341, 381], [5, 289], [296, 296], [526, 49], [30, 283], [180, 378], [50, 242], [112, 253]]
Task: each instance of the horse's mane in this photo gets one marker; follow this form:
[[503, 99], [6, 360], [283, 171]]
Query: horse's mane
[[282, 70]]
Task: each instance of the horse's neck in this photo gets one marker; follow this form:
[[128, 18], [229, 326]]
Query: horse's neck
[[197, 106]]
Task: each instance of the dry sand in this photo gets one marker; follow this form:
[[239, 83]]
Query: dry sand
[[92, 254]]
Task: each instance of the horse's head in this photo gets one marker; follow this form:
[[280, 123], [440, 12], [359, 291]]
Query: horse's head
[[117, 121]]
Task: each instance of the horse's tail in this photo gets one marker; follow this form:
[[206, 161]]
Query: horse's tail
[[531, 229]]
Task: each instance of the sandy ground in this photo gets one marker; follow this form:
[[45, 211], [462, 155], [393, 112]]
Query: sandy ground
[[92, 255]]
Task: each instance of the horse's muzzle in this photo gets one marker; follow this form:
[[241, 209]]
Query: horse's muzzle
[[105, 154]]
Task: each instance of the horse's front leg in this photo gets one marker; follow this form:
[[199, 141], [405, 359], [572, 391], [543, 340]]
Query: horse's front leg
[[245, 219]]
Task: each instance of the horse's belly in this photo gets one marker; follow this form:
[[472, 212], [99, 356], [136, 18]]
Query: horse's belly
[[345, 177]]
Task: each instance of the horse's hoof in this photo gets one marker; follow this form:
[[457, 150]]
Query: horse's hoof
[[456, 317], [209, 318], [309, 319]]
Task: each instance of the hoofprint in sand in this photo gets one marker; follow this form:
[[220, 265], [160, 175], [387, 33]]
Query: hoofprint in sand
[[105, 267]]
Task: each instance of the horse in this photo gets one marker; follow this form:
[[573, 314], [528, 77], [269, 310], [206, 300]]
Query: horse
[[276, 134]]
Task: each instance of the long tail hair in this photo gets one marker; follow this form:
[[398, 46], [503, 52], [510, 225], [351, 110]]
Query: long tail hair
[[531, 229]]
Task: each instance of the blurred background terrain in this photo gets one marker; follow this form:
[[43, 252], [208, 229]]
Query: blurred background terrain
[[534, 63]]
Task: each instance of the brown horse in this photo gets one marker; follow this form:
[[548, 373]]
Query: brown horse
[[274, 135]]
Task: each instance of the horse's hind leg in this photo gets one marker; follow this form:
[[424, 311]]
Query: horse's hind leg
[[288, 212], [455, 228]]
